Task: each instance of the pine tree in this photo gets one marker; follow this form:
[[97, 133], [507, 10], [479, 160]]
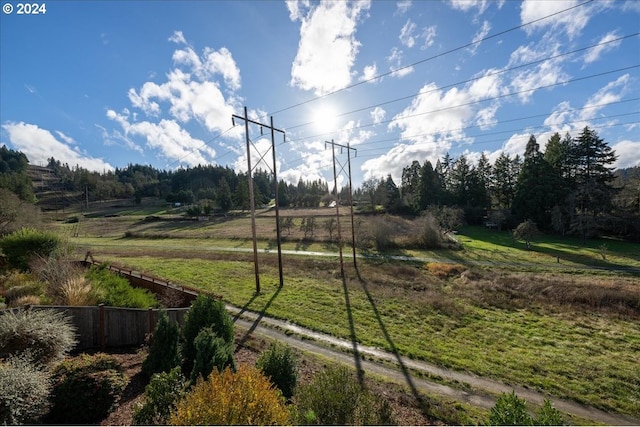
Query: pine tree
[[536, 190]]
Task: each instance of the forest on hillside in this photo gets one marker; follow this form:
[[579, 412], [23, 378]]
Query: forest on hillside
[[570, 187]]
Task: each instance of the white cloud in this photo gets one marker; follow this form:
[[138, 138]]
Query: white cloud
[[369, 72], [296, 8], [628, 153], [595, 53], [572, 22], [178, 38], [429, 36], [480, 5], [377, 115], [563, 118], [403, 7], [395, 64], [481, 34], [193, 93], [168, 138], [406, 34], [327, 47], [40, 144]]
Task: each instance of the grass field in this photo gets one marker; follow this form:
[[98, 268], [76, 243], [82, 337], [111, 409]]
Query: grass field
[[544, 318]]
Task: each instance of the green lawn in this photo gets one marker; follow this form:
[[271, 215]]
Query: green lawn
[[590, 358]]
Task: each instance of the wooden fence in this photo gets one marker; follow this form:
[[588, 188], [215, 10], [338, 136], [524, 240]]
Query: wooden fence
[[111, 327]]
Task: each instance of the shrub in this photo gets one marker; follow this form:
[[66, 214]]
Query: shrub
[[17, 285], [335, 397], [510, 410], [24, 392], [211, 352], [163, 354], [160, 397], [22, 245], [86, 388], [206, 311], [245, 397], [429, 235], [45, 336], [280, 366], [548, 415], [77, 292], [116, 291], [381, 232]]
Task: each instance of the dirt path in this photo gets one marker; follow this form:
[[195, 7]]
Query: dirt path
[[344, 351]]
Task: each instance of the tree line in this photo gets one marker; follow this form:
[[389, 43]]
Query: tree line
[[570, 187]]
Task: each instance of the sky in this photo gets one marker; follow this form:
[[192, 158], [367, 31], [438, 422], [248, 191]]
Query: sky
[[105, 84]]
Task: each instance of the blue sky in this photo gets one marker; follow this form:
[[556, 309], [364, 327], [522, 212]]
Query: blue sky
[[102, 84]]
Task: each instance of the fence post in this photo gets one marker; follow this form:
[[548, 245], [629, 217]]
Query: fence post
[[151, 321], [103, 340]]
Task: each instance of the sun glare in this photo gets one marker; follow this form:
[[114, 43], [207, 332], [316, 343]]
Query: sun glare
[[324, 119]]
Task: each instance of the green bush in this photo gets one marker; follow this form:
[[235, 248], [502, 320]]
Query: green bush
[[116, 291], [160, 397], [281, 367], [86, 389], [42, 335], [206, 311], [510, 410], [211, 352], [548, 415], [22, 245], [164, 353], [245, 397], [24, 392], [335, 397]]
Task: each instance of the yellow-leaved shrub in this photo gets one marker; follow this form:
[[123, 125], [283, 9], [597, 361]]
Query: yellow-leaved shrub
[[244, 397]]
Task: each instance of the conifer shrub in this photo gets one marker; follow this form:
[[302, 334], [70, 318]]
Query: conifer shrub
[[116, 291], [86, 389], [25, 244], [42, 336], [548, 415], [510, 410], [160, 397], [245, 397], [212, 353], [163, 353], [24, 392], [335, 397], [281, 367], [206, 311]]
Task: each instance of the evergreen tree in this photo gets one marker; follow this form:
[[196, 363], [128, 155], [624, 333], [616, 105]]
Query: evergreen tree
[[536, 190], [593, 193], [411, 185], [223, 195], [430, 187], [390, 195]]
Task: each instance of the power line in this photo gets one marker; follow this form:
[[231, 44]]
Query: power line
[[380, 150], [506, 70], [506, 95], [378, 76], [397, 139]]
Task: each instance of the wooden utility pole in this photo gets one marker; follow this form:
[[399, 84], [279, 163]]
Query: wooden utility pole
[[251, 196]]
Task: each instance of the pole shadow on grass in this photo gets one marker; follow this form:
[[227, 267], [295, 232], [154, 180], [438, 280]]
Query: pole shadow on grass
[[352, 333], [405, 371], [258, 319]]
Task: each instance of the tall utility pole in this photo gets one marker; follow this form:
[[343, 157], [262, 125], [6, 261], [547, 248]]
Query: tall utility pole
[[251, 196], [335, 180]]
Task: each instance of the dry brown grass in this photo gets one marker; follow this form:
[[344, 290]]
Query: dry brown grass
[[77, 292], [444, 270]]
